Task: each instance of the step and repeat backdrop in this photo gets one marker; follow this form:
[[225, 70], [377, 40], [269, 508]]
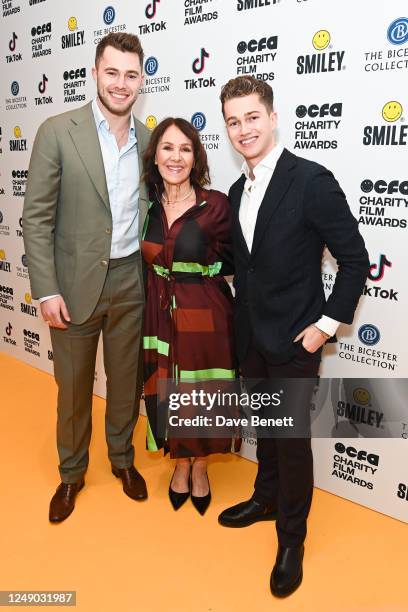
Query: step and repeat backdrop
[[339, 71]]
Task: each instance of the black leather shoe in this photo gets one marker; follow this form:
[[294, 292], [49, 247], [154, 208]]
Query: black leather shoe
[[178, 499], [201, 503], [246, 513], [288, 573], [133, 483], [63, 501]]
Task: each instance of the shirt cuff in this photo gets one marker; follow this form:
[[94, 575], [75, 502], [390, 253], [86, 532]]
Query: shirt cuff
[[327, 325], [48, 297]]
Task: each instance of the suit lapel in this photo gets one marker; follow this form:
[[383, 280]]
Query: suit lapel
[[142, 143], [235, 198], [85, 137], [277, 188]]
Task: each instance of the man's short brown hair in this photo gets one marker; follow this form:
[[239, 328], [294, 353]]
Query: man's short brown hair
[[122, 42], [245, 86]]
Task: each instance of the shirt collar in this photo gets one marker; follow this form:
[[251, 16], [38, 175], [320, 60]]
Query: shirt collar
[[268, 162], [100, 119]]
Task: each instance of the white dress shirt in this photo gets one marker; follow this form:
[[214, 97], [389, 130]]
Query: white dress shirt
[[122, 179], [251, 200]]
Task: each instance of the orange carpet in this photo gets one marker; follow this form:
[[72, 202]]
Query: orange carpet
[[124, 556]]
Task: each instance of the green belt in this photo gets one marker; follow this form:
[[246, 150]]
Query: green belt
[[189, 268]]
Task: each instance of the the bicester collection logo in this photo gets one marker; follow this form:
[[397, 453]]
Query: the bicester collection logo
[[16, 102], [4, 228], [322, 61], [255, 56], [108, 17], [394, 132], [153, 83], [211, 141], [382, 201], [198, 11], [394, 57], [317, 125]]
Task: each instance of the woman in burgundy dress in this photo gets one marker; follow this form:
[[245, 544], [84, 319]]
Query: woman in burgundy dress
[[188, 334]]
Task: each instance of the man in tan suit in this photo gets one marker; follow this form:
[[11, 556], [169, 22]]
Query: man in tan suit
[[83, 216]]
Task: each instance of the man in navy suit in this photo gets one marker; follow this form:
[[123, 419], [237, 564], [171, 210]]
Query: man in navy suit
[[285, 211]]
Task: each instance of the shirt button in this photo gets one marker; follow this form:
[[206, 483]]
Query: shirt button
[[104, 263], [108, 230]]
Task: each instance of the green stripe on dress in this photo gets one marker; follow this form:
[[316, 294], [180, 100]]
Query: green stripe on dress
[[150, 342], [210, 374], [151, 442]]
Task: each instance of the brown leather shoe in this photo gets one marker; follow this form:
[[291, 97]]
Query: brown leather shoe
[[133, 483], [63, 501]]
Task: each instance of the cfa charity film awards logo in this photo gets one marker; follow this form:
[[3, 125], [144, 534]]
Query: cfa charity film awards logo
[[19, 182], [6, 297], [154, 82], [395, 56], [323, 61], [198, 12], [151, 10], [255, 57], [75, 36], [198, 66], [317, 125], [10, 7], [74, 84], [354, 465], [16, 101], [392, 132], [31, 342], [18, 143], [211, 141], [383, 203], [109, 19], [15, 55], [41, 36]]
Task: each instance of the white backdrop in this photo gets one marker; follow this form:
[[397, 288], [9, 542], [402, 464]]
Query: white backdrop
[[339, 71]]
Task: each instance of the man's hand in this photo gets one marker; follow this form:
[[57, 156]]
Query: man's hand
[[312, 337], [55, 312]]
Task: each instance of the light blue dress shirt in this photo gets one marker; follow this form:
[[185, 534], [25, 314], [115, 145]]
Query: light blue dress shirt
[[122, 179]]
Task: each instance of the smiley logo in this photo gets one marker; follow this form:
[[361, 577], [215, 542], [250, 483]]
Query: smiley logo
[[27, 298], [321, 40], [17, 131], [151, 122], [361, 396], [72, 24], [2, 254], [301, 111], [392, 111]]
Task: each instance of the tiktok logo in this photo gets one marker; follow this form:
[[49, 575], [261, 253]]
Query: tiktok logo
[[199, 62], [151, 9], [12, 43], [8, 329], [376, 271], [42, 84]]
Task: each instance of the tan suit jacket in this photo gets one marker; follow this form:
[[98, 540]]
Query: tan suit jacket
[[67, 220]]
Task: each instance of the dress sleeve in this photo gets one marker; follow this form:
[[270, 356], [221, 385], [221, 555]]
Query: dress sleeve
[[221, 231]]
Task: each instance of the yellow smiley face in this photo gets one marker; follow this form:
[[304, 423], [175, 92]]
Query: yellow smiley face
[[151, 122], [27, 298], [72, 24], [392, 111], [17, 131], [361, 396], [321, 40], [2, 254]]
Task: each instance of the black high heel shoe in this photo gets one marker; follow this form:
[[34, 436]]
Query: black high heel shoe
[[201, 503], [178, 499]]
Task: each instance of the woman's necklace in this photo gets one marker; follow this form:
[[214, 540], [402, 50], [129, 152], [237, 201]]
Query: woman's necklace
[[167, 202]]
